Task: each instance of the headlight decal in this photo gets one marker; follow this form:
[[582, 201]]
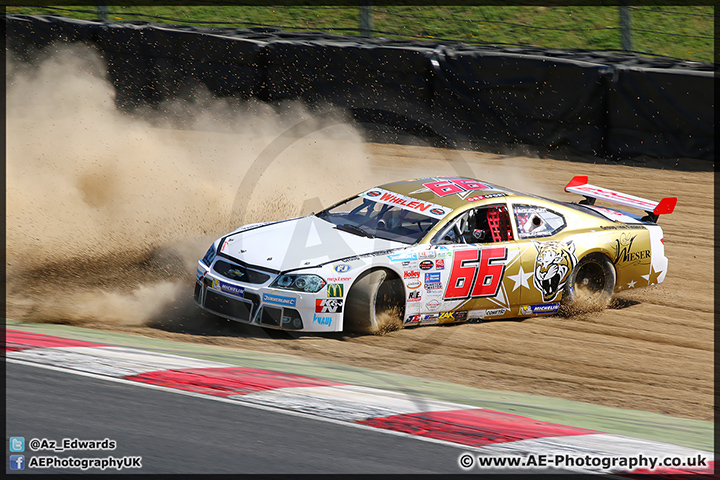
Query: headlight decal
[[210, 255], [299, 283]]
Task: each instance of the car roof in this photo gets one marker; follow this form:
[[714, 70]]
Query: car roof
[[453, 192]]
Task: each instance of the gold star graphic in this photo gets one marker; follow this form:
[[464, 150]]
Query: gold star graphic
[[652, 277]]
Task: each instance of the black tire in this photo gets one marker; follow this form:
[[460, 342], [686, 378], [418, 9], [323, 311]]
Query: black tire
[[590, 285], [375, 303]]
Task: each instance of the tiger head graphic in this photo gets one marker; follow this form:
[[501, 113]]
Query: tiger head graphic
[[553, 264]]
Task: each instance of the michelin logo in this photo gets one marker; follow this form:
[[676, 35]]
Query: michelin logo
[[539, 309], [228, 288]]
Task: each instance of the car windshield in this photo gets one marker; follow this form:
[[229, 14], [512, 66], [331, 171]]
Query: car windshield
[[366, 217]]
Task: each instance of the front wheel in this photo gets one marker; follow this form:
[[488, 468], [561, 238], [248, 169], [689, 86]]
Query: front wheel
[[375, 303], [590, 285]]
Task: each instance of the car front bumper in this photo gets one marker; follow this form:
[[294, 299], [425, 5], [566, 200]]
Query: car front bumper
[[261, 305]]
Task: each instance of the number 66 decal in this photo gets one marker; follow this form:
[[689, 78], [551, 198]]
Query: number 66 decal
[[476, 273]]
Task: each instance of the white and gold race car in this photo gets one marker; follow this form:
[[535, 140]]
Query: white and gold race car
[[434, 250]]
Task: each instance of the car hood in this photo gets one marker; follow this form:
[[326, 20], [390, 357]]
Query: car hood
[[299, 243]]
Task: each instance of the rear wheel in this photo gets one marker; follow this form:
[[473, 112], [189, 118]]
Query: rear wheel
[[375, 303], [590, 285]]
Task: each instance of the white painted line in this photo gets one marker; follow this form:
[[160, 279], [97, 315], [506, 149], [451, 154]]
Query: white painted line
[[238, 401], [112, 361], [348, 402]]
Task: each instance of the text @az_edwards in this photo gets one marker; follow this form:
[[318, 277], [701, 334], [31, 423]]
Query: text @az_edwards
[[69, 444]]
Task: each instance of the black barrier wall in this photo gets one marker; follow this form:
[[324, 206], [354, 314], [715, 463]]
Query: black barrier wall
[[613, 105]]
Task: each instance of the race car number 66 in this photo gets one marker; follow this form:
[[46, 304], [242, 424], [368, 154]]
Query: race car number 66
[[482, 279]]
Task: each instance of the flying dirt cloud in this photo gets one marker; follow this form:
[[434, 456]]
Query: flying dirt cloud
[[107, 212]]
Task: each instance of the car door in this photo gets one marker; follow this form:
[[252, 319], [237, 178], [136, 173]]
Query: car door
[[482, 253], [546, 261]]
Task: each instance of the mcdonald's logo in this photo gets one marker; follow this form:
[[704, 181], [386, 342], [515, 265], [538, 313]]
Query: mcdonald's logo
[[335, 290]]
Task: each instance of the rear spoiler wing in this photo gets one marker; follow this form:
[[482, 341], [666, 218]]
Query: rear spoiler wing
[[581, 186]]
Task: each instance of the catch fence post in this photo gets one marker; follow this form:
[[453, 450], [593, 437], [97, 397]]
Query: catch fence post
[[365, 19], [102, 11], [625, 30]]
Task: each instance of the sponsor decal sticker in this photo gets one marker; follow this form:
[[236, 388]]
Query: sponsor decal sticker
[[402, 257], [539, 309], [432, 305], [434, 291], [342, 268], [431, 318], [413, 319], [338, 279], [448, 317], [278, 299], [411, 274], [414, 297], [427, 254], [228, 288], [489, 195], [440, 264], [625, 254], [335, 290], [329, 305], [432, 277], [494, 312], [426, 265], [407, 203], [413, 284], [322, 320], [409, 264], [530, 209]]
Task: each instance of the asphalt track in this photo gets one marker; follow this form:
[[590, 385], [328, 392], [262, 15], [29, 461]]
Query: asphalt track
[[632, 423], [175, 433]]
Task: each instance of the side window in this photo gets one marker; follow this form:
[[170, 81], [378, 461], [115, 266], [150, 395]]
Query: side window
[[451, 234], [534, 221], [479, 225]]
